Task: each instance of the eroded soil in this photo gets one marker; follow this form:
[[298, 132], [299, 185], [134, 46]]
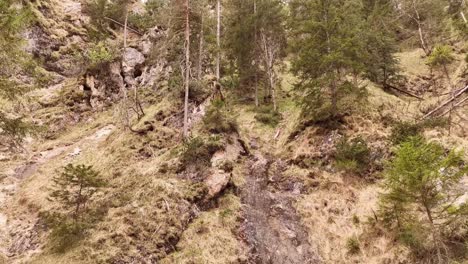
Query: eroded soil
[[272, 228]]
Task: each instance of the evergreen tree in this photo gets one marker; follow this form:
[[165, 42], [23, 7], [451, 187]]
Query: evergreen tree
[[327, 46], [75, 187], [422, 187], [239, 41], [15, 63], [381, 64]]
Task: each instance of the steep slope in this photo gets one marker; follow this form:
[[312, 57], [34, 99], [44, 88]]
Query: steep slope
[[263, 195]]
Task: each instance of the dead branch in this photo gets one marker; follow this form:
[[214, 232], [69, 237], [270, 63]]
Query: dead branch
[[453, 107], [405, 92], [122, 25], [446, 102]]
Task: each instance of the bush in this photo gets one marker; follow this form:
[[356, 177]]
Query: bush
[[352, 244], [198, 153], [15, 129], [268, 116], [218, 120], [402, 130], [99, 55], [66, 233], [352, 155]]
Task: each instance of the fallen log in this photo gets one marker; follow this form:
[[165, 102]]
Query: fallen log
[[446, 102], [122, 25], [403, 91], [453, 107]]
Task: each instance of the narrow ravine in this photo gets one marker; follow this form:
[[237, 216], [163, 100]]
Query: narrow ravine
[[272, 228]]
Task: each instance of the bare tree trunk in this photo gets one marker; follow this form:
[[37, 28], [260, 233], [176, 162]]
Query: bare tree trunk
[[256, 74], [218, 39], [124, 106], [463, 16], [435, 235], [269, 54], [125, 29], [187, 65], [420, 31], [200, 50]]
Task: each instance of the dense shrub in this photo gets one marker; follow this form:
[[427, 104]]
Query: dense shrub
[[268, 116], [402, 130], [218, 120], [352, 155], [198, 152], [100, 54], [15, 129]]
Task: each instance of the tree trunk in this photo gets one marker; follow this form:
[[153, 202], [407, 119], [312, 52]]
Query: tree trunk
[[435, 236], [255, 36], [187, 65], [218, 39], [420, 31], [200, 50], [125, 29]]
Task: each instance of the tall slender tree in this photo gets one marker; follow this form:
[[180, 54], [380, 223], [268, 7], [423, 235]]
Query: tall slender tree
[[187, 66]]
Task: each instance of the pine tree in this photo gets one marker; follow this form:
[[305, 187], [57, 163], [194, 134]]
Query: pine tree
[[75, 187], [379, 24], [15, 62], [327, 45], [239, 41], [422, 184], [270, 25]]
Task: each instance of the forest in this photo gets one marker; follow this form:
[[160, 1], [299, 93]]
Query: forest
[[233, 131]]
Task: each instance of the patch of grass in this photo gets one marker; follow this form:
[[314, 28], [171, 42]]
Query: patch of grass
[[218, 120], [198, 152], [352, 155], [268, 116], [403, 130], [352, 245]]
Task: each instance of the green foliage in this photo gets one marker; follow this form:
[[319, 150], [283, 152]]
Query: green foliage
[[66, 233], [242, 38], [218, 120], [198, 152], [352, 244], [16, 66], [352, 155], [15, 129], [268, 116], [381, 65], [422, 185], [441, 56], [100, 54], [324, 58], [75, 187], [402, 130]]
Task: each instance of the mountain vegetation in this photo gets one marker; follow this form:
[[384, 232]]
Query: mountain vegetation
[[233, 131]]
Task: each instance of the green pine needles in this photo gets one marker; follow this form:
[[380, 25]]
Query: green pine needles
[[75, 187], [422, 191]]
